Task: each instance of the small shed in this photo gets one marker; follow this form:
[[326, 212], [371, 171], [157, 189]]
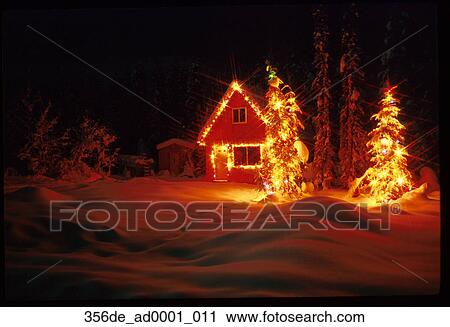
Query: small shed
[[175, 155]]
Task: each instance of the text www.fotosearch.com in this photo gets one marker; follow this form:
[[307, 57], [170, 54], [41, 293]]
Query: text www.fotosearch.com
[[278, 317]]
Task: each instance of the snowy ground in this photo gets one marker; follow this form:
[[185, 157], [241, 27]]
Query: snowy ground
[[150, 264]]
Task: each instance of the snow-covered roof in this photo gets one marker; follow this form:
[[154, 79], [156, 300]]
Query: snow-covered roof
[[181, 142]]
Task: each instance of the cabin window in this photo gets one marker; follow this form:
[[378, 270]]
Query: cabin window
[[239, 115], [247, 155]]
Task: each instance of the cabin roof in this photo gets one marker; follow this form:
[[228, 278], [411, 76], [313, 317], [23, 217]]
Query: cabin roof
[[234, 86]]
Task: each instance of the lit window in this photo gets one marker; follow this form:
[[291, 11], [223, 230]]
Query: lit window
[[239, 115], [253, 155], [247, 155], [240, 155]]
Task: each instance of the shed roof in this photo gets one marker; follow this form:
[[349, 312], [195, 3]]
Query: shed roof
[[180, 142]]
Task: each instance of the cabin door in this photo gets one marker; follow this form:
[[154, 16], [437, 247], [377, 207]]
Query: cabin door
[[221, 157]]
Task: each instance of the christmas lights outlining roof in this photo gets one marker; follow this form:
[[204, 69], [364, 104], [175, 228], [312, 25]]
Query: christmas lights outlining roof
[[234, 87]]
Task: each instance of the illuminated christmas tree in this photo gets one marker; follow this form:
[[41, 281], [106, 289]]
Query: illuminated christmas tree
[[281, 170], [388, 177]]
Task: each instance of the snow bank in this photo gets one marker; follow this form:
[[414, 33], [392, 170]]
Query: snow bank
[[32, 194], [150, 264]]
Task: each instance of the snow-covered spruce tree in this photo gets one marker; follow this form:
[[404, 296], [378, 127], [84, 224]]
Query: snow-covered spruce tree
[[323, 163], [388, 177], [352, 147], [281, 169], [41, 150]]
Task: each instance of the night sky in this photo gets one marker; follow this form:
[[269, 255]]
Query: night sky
[[176, 57]]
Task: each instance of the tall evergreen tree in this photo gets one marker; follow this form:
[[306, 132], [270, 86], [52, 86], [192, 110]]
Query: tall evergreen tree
[[323, 164], [352, 148]]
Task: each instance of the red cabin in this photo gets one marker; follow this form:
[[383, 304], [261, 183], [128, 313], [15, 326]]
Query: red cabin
[[233, 137]]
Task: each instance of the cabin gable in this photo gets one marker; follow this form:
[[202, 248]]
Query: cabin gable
[[238, 123], [221, 124]]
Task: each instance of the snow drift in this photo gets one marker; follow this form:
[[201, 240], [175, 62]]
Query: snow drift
[[149, 264]]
